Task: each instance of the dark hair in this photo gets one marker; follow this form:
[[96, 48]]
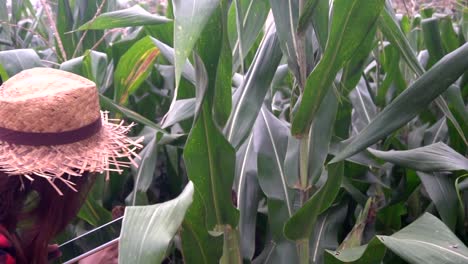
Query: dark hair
[[47, 217]]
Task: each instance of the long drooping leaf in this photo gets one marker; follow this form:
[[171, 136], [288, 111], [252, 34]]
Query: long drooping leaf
[[181, 110], [371, 253], [239, 31], [351, 23], [434, 157], [215, 52], [364, 109], [146, 168], [441, 190], [278, 250], [393, 33], [391, 30], [190, 19], [14, 61], [326, 231], [320, 135], [252, 21], [188, 71], [148, 230], [410, 102], [456, 105], [248, 196], [431, 33], [307, 15], [209, 158], [198, 246], [286, 15], [427, 240], [130, 17], [270, 142], [210, 162], [133, 68], [317, 12], [249, 97], [362, 158], [301, 224]]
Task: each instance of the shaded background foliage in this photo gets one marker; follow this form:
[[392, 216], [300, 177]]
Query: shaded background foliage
[[275, 131]]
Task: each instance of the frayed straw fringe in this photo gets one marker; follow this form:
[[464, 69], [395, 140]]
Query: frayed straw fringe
[[101, 153]]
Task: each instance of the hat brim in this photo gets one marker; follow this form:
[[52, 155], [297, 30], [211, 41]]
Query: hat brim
[[108, 150]]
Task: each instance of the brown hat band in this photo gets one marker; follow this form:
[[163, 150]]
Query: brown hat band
[[48, 138]]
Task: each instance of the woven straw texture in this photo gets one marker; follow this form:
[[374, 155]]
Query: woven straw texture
[[48, 100]]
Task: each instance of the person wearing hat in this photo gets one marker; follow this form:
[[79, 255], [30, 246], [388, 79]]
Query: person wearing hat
[[54, 139]]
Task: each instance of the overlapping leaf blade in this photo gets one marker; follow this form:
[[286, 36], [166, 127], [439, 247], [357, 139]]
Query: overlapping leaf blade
[[301, 224], [210, 162], [197, 244], [14, 61], [441, 190], [391, 30], [133, 68], [286, 14], [248, 196], [148, 230], [248, 98], [427, 240], [190, 19], [410, 102], [434, 157], [181, 110], [325, 235], [270, 142], [254, 14], [215, 52], [371, 253], [321, 133], [146, 167], [352, 21]]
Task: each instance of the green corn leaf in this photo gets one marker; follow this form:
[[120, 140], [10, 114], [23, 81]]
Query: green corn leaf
[[130, 17], [410, 102], [351, 23], [148, 230], [133, 68], [191, 17], [301, 224]]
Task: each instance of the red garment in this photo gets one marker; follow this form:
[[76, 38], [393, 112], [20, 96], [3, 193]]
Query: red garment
[[7, 252]]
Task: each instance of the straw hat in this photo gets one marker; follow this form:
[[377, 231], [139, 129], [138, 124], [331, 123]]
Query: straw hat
[[51, 126]]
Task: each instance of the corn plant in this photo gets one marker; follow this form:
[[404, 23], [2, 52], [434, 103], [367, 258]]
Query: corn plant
[[303, 131]]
